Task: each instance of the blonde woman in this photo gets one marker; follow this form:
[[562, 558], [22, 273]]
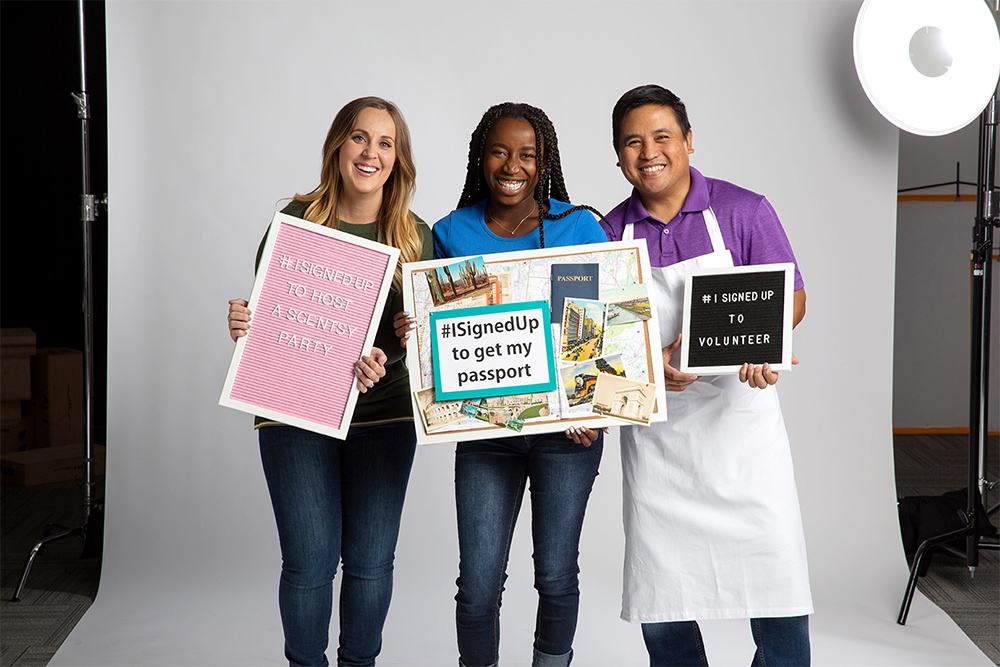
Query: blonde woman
[[341, 500]]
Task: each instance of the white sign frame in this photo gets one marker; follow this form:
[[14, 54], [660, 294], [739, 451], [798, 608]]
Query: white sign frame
[[568, 254], [787, 312], [335, 429]]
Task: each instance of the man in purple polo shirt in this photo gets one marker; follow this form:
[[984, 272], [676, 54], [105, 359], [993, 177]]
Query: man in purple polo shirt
[[712, 523]]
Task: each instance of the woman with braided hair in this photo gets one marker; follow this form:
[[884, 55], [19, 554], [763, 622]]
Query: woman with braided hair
[[515, 199], [509, 193]]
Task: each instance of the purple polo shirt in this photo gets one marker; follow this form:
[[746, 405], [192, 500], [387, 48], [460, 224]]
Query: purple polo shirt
[[750, 227]]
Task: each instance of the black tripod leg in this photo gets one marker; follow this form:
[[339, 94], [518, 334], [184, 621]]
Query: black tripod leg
[[34, 552], [925, 565], [915, 568]]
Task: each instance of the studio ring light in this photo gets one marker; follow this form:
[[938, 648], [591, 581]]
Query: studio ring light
[[931, 67]]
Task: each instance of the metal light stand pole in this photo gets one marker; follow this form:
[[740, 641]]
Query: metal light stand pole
[[982, 287], [988, 217], [88, 215]]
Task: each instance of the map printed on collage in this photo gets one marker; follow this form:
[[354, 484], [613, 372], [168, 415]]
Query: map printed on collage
[[607, 334]]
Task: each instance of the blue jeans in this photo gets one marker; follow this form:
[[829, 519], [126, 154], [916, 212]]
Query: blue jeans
[[336, 499], [490, 478], [781, 642]]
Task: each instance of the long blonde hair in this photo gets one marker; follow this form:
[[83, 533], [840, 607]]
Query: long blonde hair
[[396, 225]]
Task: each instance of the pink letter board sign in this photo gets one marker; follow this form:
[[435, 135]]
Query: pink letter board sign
[[316, 303]]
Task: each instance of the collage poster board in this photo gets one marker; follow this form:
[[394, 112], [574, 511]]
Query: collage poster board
[[734, 315], [316, 302], [611, 341]]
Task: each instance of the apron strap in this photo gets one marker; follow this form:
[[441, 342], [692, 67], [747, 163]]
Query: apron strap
[[627, 234], [714, 232]]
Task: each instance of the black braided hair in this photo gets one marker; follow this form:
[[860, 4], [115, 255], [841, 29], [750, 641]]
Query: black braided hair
[[579, 207], [557, 216], [550, 180]]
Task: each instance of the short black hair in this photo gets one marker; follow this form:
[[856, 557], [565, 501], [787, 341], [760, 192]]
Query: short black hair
[[640, 97]]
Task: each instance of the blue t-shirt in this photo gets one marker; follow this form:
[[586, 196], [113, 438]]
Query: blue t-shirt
[[464, 232]]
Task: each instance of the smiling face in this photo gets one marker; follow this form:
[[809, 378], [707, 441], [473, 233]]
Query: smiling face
[[367, 157], [511, 163], [653, 154]]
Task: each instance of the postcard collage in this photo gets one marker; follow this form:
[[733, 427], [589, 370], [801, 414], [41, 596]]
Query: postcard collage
[[601, 329]]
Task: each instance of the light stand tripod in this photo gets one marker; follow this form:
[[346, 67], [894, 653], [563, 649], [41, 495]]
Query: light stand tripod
[[988, 217], [88, 215]]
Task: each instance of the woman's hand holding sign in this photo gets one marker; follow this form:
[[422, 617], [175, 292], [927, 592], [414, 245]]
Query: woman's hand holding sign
[[582, 435], [403, 323], [239, 318], [370, 369]]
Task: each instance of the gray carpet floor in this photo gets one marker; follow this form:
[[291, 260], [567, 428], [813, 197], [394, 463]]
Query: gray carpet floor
[[930, 465], [62, 585]]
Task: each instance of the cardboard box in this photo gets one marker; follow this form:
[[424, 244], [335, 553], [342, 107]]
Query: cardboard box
[[50, 464], [17, 435], [11, 411], [57, 396], [15, 378], [16, 348], [17, 343]]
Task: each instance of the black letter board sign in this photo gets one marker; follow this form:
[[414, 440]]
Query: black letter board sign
[[737, 315]]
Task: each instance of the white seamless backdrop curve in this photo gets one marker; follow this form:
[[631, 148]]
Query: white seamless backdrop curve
[[218, 109]]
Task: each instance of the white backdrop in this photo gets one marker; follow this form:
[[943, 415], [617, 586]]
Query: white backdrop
[[933, 275], [218, 109]]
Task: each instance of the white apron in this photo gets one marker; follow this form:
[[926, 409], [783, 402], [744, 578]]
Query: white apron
[[712, 523]]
